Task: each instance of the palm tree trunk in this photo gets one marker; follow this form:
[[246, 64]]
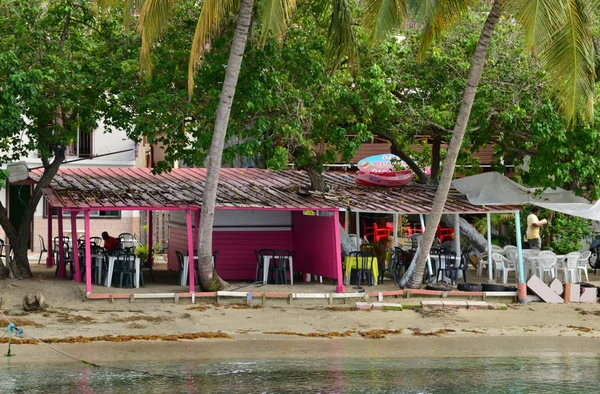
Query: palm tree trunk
[[209, 280], [475, 238], [416, 279]]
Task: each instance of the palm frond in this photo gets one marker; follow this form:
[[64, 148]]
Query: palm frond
[[538, 18], [209, 23], [276, 14], [341, 41], [436, 15], [154, 19], [569, 56], [130, 8], [382, 16]]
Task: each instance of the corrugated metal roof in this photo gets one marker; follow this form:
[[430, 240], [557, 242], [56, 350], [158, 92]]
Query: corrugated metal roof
[[118, 188]]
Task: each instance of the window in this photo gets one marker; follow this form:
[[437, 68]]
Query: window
[[82, 146]]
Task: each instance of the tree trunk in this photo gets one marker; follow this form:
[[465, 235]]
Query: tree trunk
[[435, 157], [396, 150], [209, 280], [346, 242], [19, 266], [317, 182], [416, 279], [475, 238]]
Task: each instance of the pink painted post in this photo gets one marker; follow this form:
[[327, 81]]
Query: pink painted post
[[338, 252], [188, 220], [150, 237], [197, 227], [50, 253], [62, 272], [77, 274], [88, 253]]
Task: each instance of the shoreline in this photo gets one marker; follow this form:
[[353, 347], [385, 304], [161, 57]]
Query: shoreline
[[253, 349]]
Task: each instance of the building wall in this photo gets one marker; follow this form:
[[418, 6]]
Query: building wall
[[315, 245], [105, 140], [237, 234]]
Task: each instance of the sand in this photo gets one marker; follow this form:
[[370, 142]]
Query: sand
[[282, 330]]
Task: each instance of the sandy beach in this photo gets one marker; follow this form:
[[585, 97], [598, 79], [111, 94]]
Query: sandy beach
[[278, 329]]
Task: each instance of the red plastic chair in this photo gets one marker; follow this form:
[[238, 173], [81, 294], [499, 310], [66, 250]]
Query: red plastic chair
[[379, 233]]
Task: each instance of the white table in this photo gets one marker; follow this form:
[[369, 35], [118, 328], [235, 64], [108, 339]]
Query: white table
[[111, 267], [267, 261], [98, 259], [186, 265]]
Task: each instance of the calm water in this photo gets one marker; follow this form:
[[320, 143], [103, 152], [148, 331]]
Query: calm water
[[439, 375]]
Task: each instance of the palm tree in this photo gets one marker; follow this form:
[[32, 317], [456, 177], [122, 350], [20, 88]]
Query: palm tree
[[276, 14], [557, 32]]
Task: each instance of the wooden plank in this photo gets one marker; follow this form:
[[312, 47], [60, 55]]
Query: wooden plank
[[557, 286], [543, 291], [589, 294]]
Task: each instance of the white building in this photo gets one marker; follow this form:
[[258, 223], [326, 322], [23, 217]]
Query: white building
[[94, 150]]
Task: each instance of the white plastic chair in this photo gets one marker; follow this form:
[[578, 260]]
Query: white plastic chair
[[503, 264], [530, 265], [508, 248], [546, 264], [483, 262], [569, 268], [582, 265]]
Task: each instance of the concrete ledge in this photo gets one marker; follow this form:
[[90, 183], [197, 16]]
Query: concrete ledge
[[465, 293], [310, 295], [426, 292], [232, 294], [373, 305], [432, 304], [477, 305], [500, 293], [154, 295], [348, 295], [455, 304]]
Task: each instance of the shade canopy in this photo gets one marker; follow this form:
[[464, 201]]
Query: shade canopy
[[493, 188]]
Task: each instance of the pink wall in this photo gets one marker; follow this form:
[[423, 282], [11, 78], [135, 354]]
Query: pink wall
[[236, 260], [315, 244]]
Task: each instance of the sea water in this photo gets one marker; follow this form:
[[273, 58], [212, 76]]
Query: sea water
[[333, 375]]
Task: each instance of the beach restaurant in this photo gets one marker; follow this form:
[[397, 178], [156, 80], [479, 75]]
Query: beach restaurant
[[255, 209]]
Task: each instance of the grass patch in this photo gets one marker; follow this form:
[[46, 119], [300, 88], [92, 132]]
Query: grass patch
[[392, 308], [414, 307]]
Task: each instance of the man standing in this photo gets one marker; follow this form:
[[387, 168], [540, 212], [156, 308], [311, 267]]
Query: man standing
[[533, 228]]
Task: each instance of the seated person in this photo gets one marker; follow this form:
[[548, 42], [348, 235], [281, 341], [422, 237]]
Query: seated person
[[110, 243]]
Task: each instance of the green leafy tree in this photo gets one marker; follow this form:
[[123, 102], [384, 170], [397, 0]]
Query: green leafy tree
[[54, 81], [559, 32], [274, 16]]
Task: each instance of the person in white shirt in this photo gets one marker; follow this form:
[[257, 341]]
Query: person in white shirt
[[533, 229]]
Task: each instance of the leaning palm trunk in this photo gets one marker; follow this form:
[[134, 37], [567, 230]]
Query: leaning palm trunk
[[209, 280], [414, 276], [470, 233]]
